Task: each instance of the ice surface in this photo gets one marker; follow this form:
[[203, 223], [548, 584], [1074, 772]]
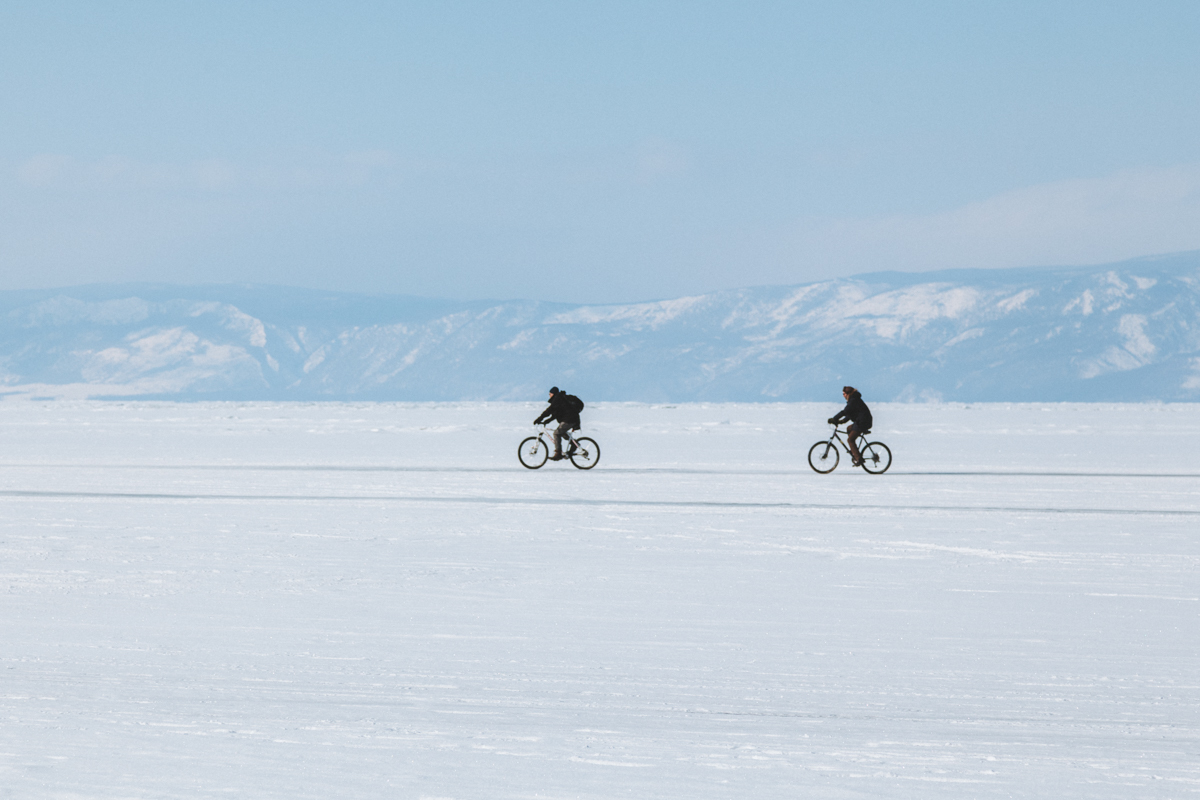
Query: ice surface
[[377, 601]]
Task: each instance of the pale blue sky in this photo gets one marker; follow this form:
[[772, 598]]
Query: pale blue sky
[[589, 151]]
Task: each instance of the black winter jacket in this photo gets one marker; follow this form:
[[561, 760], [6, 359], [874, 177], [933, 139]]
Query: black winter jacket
[[856, 411], [559, 409]]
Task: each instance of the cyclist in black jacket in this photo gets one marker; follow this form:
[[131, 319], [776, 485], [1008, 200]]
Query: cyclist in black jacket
[[859, 417], [564, 408]]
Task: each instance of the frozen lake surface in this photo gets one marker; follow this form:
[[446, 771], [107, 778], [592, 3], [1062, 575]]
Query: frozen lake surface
[[376, 601]]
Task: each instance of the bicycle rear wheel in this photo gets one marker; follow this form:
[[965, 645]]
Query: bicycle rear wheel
[[823, 457], [876, 457], [587, 453], [533, 452]]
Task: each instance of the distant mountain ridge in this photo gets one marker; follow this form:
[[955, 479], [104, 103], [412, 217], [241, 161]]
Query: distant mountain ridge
[[1122, 332]]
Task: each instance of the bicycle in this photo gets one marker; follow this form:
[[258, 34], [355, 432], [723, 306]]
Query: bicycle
[[535, 450], [823, 456]]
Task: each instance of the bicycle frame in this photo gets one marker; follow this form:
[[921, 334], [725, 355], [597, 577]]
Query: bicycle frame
[[874, 456], [833, 437], [533, 451], [547, 437]]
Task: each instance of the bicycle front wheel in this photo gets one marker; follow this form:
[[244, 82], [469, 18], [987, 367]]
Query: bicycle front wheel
[[876, 457], [823, 457], [533, 452], [587, 453]]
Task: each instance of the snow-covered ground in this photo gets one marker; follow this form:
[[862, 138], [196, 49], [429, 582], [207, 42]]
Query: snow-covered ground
[[377, 601]]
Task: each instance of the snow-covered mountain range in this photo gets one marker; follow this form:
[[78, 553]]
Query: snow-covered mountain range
[[1127, 331]]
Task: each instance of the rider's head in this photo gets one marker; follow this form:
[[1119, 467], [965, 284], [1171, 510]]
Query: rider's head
[[553, 390], [847, 391]]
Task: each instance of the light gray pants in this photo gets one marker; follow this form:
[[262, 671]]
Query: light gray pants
[[562, 430]]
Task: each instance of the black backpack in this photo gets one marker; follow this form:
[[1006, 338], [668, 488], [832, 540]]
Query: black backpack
[[574, 403]]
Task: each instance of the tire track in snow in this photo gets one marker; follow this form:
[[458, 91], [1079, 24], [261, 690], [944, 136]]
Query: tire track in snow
[[552, 501], [607, 469]]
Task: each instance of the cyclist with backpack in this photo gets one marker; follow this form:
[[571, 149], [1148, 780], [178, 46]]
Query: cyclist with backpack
[[565, 409], [859, 417]]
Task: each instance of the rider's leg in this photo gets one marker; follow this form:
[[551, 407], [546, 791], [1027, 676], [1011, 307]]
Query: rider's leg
[[852, 440], [558, 437]]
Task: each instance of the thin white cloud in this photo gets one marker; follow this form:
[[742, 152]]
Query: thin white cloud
[[54, 171], [43, 169], [1124, 215], [659, 158]]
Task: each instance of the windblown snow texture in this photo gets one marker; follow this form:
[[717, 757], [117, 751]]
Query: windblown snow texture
[[305, 601], [1128, 331]]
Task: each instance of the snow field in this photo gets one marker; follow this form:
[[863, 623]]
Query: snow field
[[376, 600]]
